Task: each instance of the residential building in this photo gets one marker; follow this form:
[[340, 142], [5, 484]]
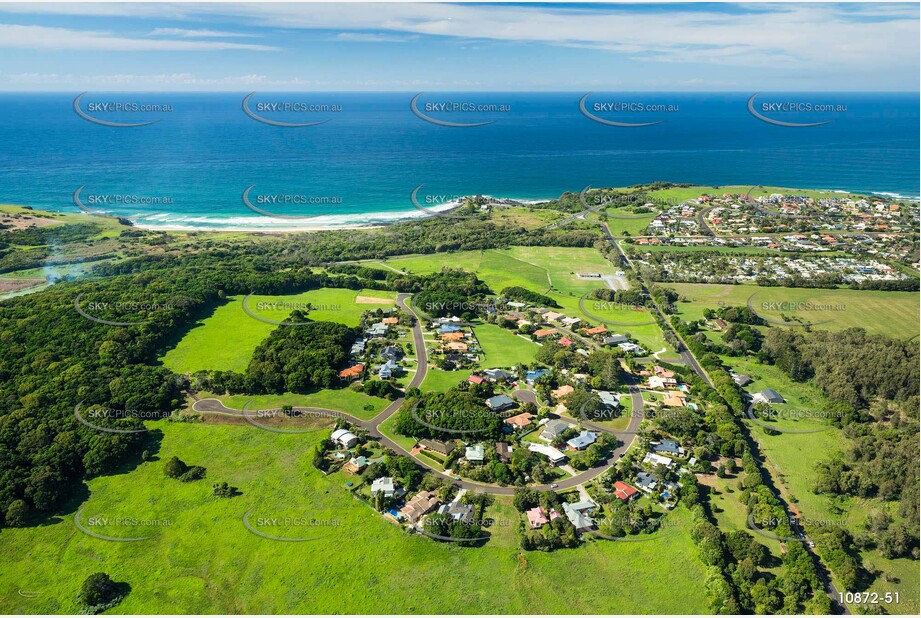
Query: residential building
[[475, 453], [457, 511], [353, 372], [582, 441], [419, 505], [383, 485], [553, 429], [437, 446], [497, 374], [356, 465], [656, 460], [344, 438], [519, 421], [669, 446], [500, 402], [561, 391], [647, 482], [554, 455], [504, 451], [624, 492]]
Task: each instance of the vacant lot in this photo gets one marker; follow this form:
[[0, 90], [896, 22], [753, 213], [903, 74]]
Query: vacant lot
[[894, 314], [226, 339]]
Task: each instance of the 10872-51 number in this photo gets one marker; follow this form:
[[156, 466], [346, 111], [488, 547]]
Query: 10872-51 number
[[872, 598]]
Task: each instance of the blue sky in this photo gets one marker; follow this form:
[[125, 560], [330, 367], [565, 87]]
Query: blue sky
[[452, 47]]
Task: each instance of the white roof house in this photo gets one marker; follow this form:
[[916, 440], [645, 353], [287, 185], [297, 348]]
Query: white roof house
[[656, 460], [385, 485], [554, 455], [344, 437]]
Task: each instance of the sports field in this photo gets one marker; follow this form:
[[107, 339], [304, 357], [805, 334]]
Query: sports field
[[200, 557]]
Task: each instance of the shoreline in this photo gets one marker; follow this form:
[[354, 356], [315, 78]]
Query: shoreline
[[372, 220]]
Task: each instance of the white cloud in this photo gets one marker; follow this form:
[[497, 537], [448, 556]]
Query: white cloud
[[195, 34], [45, 38]]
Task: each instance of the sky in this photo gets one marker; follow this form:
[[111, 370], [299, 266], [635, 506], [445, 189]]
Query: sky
[[459, 47]]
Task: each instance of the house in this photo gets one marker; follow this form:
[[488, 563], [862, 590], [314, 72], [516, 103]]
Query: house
[[383, 485], [647, 482], [356, 465], [609, 400], [353, 372], [675, 399], [457, 511], [552, 316], [392, 352], [570, 321], [344, 438], [519, 421], [500, 402], [448, 328], [419, 505], [377, 330], [390, 321], [741, 379], [630, 347], [437, 446], [663, 372], [624, 492], [537, 517], [669, 446], [591, 332], [566, 342], [496, 374], [614, 340], [533, 375], [543, 332], [516, 305], [561, 391], [358, 348], [584, 440], [549, 452], [554, 429], [453, 337], [504, 451], [657, 382], [769, 395], [476, 379], [577, 513], [720, 324], [656, 460], [388, 370], [475, 453], [457, 346]]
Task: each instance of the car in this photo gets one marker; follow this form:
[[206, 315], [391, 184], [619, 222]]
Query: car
[[553, 485], [456, 478]]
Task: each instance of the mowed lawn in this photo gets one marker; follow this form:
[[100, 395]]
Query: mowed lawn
[[894, 314], [226, 339], [202, 559], [551, 271], [503, 348]]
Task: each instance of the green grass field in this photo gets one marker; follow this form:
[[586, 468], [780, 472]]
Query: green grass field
[[439, 381], [344, 400], [226, 339], [686, 193], [503, 348], [205, 561], [894, 314]]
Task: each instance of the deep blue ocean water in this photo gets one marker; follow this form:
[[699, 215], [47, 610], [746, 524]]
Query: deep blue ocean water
[[366, 159]]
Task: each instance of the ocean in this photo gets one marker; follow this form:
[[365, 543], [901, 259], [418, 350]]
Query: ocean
[[191, 167]]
